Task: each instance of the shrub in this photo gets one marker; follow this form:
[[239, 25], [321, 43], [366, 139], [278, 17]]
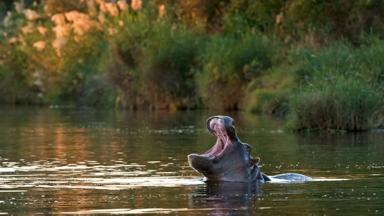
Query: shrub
[[371, 58], [158, 58], [267, 101], [342, 104], [340, 88], [171, 56], [341, 59], [269, 94], [229, 63], [15, 87], [327, 64], [82, 80]]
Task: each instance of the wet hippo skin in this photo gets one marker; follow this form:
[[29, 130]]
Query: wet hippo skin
[[229, 159]]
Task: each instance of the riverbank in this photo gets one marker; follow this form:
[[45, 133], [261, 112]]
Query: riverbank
[[319, 73]]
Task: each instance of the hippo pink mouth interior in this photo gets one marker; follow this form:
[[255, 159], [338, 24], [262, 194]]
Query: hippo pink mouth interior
[[217, 127]]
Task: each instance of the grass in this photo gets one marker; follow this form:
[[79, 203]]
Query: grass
[[342, 104], [340, 88]]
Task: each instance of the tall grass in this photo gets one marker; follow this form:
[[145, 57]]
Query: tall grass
[[344, 104], [341, 88]]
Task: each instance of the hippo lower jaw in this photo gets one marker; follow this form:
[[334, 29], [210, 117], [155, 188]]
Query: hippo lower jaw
[[196, 160]]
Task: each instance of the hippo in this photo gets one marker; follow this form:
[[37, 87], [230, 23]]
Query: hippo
[[230, 160]]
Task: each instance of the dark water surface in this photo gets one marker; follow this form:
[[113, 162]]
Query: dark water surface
[[63, 161]]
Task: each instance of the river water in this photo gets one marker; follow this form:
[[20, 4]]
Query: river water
[[65, 161]]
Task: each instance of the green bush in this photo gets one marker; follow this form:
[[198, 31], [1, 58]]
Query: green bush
[[268, 101], [341, 104], [229, 63], [168, 71], [371, 57], [269, 94], [340, 88], [327, 64], [341, 59], [82, 78], [15, 87], [158, 58]]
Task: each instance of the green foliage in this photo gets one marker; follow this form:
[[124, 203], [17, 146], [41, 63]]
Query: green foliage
[[158, 57], [15, 87], [314, 23], [334, 19], [371, 57], [343, 60], [269, 94], [73, 74], [168, 68], [343, 104], [83, 81], [220, 54], [260, 14], [267, 101], [229, 63], [5, 6], [340, 88]]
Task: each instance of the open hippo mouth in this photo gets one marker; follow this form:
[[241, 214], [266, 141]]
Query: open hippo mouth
[[220, 126], [228, 159]]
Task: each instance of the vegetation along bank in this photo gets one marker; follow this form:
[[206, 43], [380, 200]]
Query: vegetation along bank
[[317, 63]]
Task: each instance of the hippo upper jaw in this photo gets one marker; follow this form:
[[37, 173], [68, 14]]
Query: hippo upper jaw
[[228, 159]]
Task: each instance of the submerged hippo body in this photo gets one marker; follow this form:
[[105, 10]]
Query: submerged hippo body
[[229, 160]]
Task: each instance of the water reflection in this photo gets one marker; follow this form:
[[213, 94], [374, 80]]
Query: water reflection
[[109, 162], [227, 198], [90, 176]]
